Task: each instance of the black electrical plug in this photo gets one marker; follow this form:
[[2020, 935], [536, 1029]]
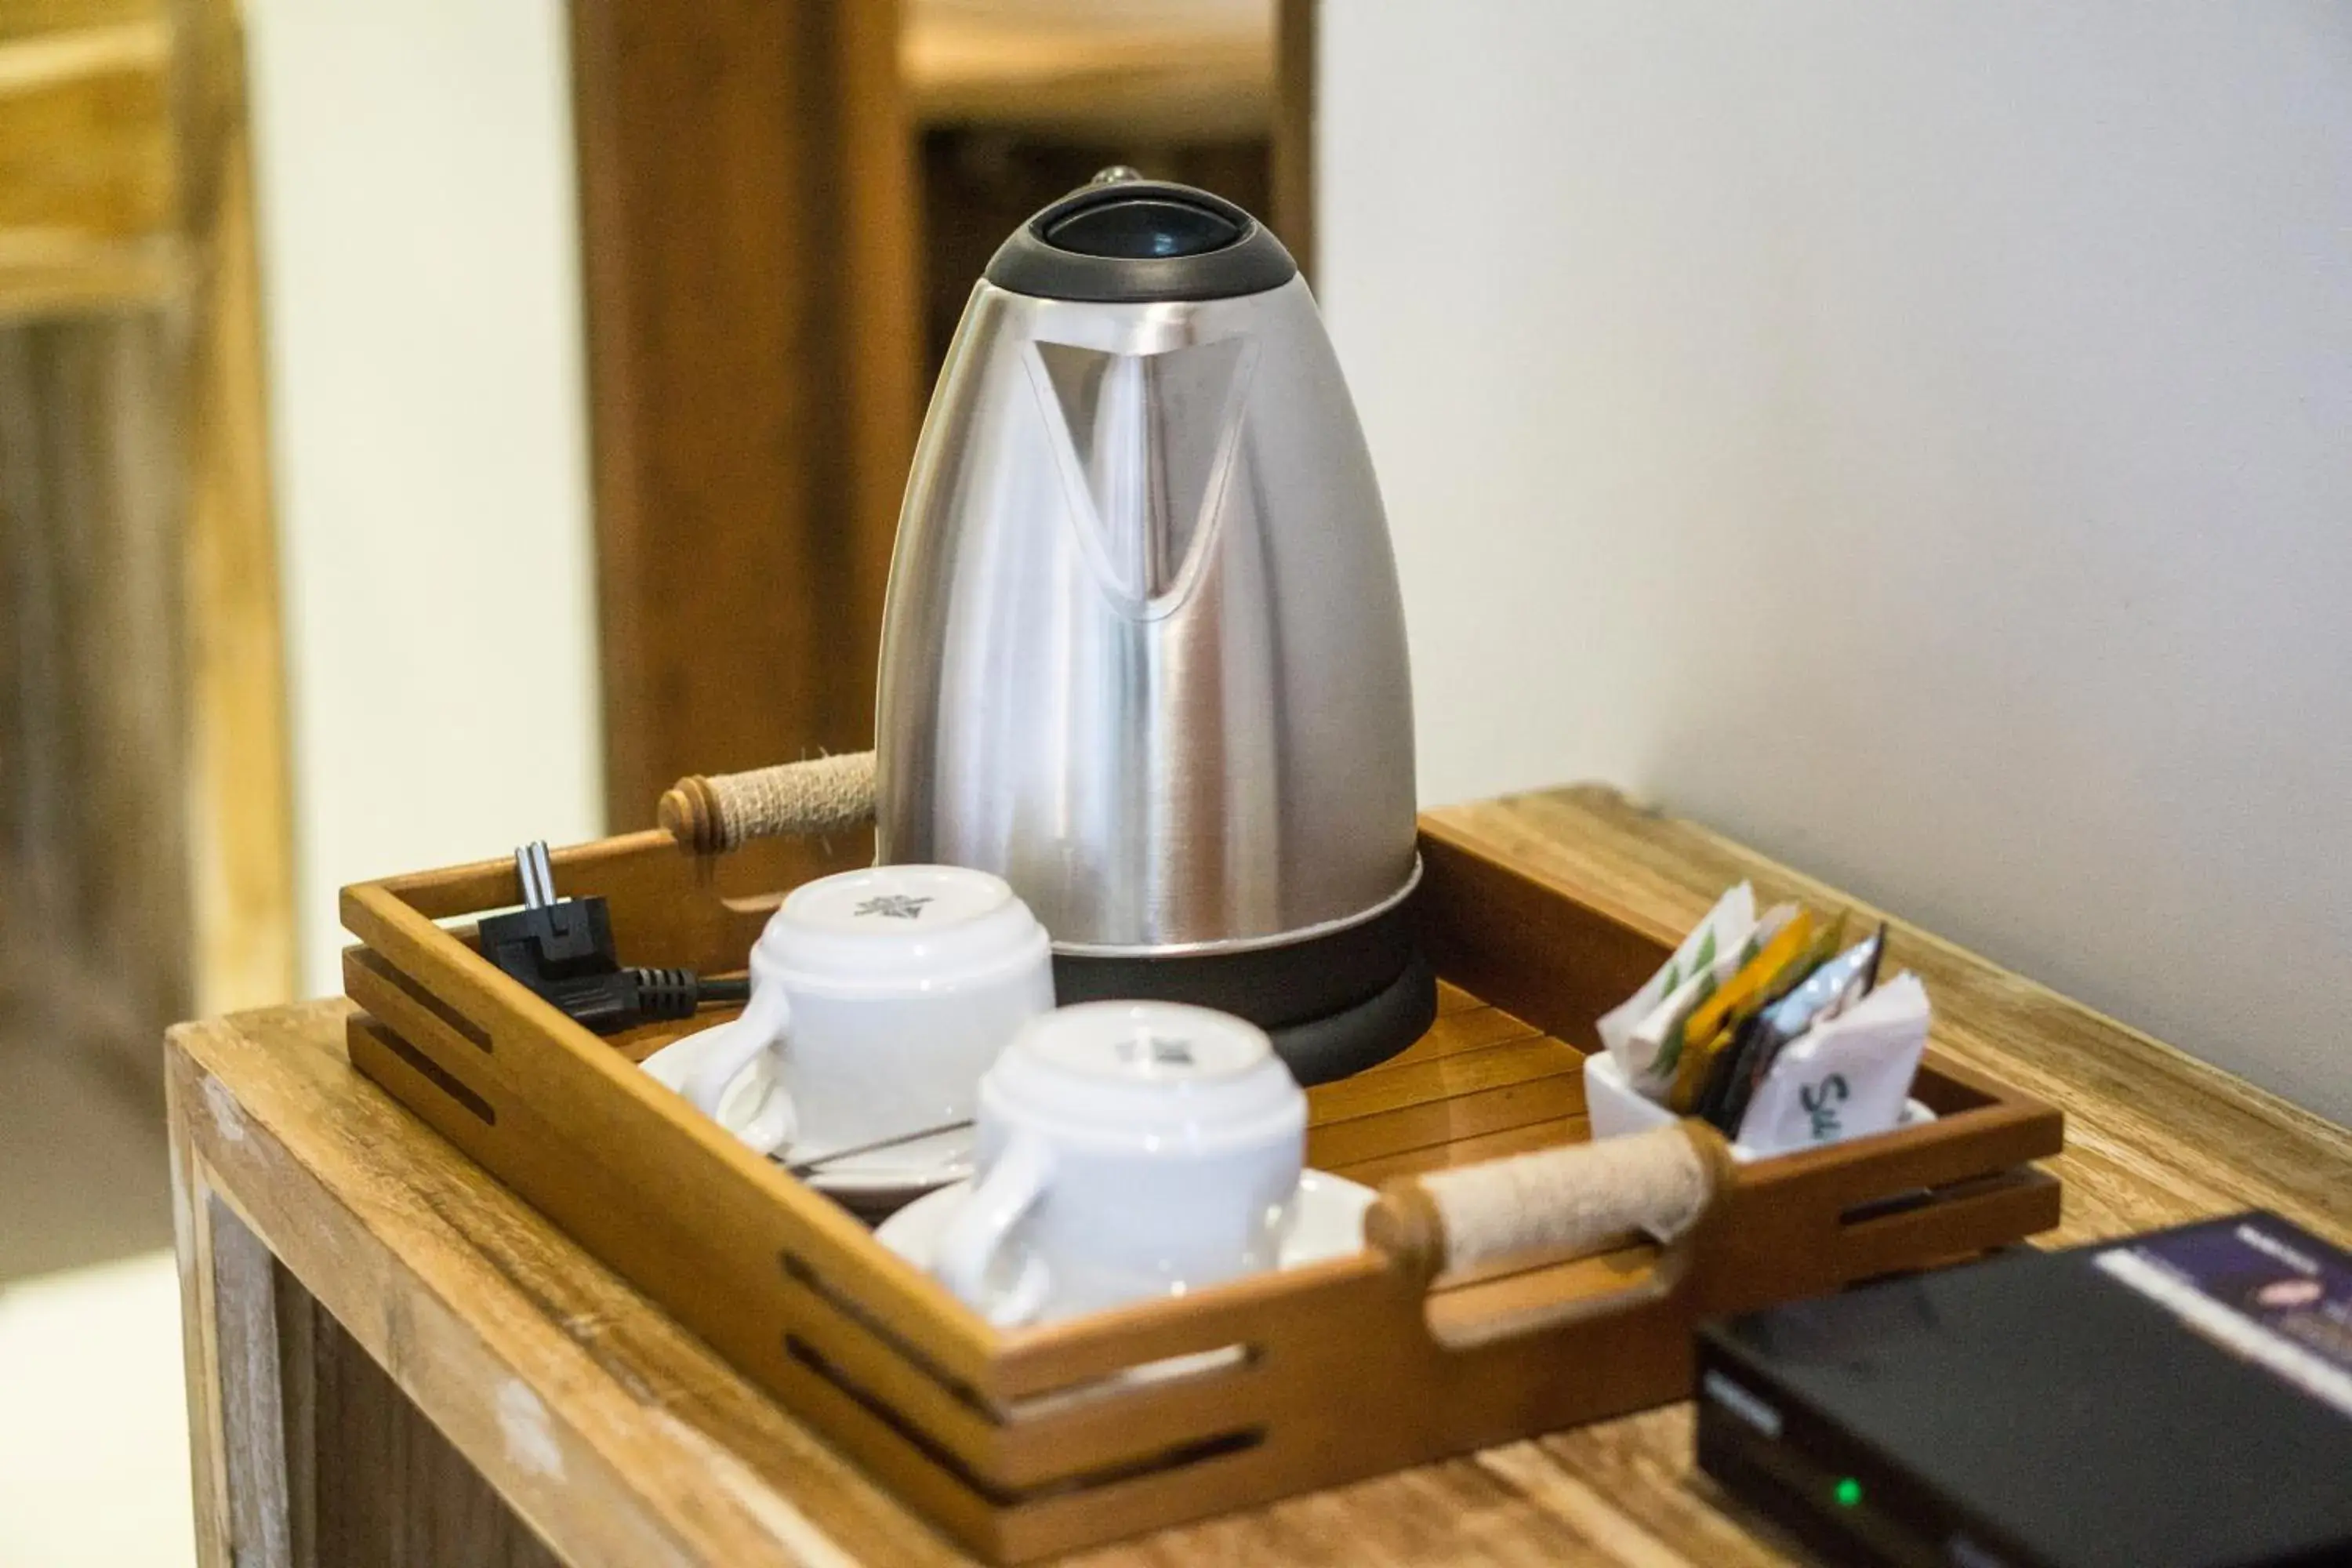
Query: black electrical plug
[[562, 949], [620, 998]]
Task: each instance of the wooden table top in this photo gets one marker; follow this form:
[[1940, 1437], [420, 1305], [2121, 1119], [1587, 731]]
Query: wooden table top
[[607, 1426]]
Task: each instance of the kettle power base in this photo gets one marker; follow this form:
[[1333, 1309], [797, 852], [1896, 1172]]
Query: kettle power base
[[1342, 1043], [1317, 1050], [2177, 1400], [1333, 1004]]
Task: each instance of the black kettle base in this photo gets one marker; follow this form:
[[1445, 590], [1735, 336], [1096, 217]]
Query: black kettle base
[[1334, 1005], [1364, 1036]]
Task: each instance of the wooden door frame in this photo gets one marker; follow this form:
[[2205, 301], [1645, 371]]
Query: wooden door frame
[[749, 261], [241, 811], [1296, 60]]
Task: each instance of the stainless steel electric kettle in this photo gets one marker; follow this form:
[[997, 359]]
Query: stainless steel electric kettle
[[1144, 655]]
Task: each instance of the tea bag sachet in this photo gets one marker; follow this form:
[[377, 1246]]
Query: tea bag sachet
[[1653, 1051], [1836, 985], [1846, 1077], [1716, 1024], [1726, 928]]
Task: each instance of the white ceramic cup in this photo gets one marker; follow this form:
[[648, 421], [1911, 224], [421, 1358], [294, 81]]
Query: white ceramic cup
[[1125, 1150], [878, 997]]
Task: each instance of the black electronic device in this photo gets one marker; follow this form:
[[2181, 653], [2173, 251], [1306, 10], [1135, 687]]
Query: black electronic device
[[2181, 1399]]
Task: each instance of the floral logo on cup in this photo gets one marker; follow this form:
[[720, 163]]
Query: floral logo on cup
[[893, 907]]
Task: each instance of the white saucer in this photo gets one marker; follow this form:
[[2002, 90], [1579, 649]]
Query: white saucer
[[885, 1179], [872, 1184], [1327, 1223]]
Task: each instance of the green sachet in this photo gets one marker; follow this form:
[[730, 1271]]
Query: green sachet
[[1653, 1051]]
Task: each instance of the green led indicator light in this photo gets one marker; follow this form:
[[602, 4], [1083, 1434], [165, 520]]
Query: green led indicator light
[[1849, 1493]]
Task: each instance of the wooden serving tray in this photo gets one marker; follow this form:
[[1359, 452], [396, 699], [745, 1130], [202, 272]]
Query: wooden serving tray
[[1025, 1443]]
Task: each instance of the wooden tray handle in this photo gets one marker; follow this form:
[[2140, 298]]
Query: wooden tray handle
[[722, 811], [1564, 1202]]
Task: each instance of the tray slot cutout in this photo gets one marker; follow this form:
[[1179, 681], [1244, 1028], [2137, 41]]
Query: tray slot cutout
[[802, 1273], [1916, 1198], [1185, 1400], [1115, 1412], [1190, 1452], [439, 1076], [1962, 1220], [1196, 1366], [465, 1028]]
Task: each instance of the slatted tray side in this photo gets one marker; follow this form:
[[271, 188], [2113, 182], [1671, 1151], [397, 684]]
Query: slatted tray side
[[1803, 1225], [1481, 1082], [1356, 1387]]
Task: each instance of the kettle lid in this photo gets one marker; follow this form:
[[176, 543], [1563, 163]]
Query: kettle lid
[[1124, 240]]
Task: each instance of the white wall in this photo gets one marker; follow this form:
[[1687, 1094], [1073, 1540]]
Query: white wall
[[421, 287], [1915, 437]]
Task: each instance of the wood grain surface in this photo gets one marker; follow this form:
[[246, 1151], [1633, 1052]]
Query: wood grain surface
[[620, 1438]]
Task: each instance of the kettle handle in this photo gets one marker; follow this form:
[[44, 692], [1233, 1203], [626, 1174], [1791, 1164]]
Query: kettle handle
[[711, 814]]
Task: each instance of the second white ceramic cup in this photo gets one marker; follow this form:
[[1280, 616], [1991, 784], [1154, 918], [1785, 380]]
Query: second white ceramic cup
[[1125, 1150], [879, 998]]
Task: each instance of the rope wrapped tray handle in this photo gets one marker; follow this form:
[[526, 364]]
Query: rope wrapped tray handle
[[1563, 1201], [713, 813]]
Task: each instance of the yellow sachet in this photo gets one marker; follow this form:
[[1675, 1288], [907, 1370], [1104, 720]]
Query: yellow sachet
[[1713, 1023]]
